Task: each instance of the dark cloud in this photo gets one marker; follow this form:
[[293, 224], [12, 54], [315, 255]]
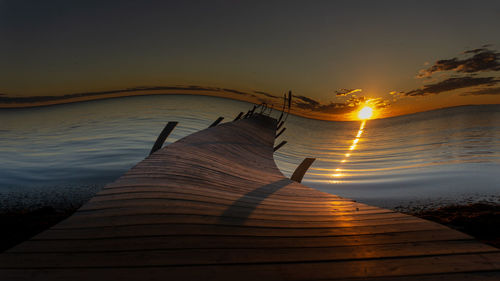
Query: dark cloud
[[305, 102], [454, 83], [486, 91], [313, 105], [348, 106], [379, 103], [482, 59], [335, 108], [236, 92], [32, 99], [475, 51], [155, 88], [265, 94], [345, 92], [354, 100], [478, 50]]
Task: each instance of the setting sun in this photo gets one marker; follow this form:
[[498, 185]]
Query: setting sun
[[365, 113]]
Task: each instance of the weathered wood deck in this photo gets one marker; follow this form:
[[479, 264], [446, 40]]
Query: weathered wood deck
[[214, 206]]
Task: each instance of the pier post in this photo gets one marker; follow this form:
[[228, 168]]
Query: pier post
[[163, 136], [301, 170], [216, 122]]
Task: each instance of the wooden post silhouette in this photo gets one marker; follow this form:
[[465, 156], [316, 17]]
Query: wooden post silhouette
[[280, 145], [281, 132], [216, 122], [163, 136], [238, 117], [301, 170]]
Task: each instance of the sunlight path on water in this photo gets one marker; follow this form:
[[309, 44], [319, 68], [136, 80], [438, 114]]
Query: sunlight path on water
[[338, 172]]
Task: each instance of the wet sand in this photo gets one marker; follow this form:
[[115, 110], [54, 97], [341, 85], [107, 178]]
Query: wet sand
[[480, 220]]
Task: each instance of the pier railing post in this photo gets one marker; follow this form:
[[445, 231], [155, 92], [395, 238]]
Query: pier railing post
[[280, 145], [238, 117], [163, 136], [279, 125], [281, 132], [216, 122], [300, 171]]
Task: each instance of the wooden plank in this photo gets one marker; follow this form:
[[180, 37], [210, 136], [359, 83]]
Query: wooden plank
[[158, 274], [469, 276], [229, 199], [159, 257], [339, 206], [228, 230], [340, 270], [279, 200], [183, 218], [234, 242]]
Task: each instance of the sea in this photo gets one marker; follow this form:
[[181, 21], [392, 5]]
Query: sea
[[61, 155]]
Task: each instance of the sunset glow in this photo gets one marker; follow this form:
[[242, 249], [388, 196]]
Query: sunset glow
[[365, 113]]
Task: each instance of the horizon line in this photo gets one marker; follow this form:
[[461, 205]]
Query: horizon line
[[255, 97]]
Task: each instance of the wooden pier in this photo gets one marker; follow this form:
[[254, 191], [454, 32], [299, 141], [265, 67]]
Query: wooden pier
[[214, 206]]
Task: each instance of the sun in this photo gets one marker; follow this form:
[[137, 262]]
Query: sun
[[365, 113]]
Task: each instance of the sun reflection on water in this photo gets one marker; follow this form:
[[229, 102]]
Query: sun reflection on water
[[338, 172]]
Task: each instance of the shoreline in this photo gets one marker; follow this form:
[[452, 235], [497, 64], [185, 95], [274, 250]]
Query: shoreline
[[480, 220]]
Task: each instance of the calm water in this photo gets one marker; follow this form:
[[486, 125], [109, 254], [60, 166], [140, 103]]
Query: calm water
[[63, 154]]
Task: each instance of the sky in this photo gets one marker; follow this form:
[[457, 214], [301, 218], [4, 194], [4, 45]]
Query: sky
[[398, 57]]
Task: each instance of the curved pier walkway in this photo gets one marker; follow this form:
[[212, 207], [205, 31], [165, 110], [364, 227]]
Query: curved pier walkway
[[214, 206]]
